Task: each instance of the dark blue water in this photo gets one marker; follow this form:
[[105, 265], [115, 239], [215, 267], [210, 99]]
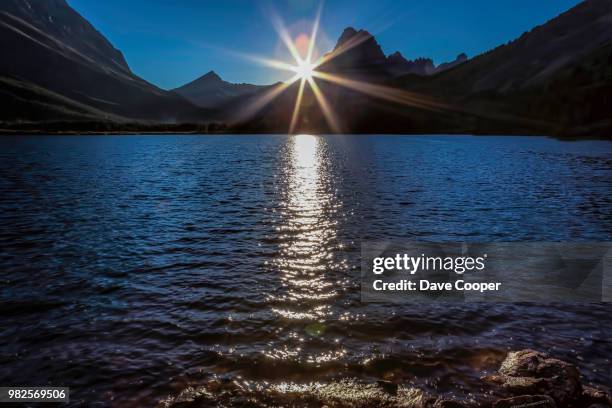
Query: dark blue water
[[135, 266]]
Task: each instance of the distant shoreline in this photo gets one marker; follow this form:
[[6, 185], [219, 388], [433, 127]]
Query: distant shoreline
[[8, 132], [229, 132]]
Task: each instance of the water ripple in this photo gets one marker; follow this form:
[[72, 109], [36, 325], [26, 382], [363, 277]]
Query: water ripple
[[134, 267]]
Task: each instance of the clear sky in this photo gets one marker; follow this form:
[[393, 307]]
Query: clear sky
[[171, 42]]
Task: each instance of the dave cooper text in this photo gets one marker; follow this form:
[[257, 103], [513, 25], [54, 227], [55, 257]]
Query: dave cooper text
[[412, 264], [423, 285]]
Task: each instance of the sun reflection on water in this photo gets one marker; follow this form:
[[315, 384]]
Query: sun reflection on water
[[309, 228], [306, 262]]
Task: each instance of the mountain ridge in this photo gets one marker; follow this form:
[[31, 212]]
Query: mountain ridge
[[210, 90], [51, 54], [550, 80], [539, 52], [553, 79], [360, 52]]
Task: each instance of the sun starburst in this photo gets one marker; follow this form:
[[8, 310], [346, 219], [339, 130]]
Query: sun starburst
[[305, 69], [306, 73]]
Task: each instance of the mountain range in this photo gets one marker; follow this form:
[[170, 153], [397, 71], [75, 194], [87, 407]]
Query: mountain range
[[55, 67], [358, 51], [555, 79], [211, 91]]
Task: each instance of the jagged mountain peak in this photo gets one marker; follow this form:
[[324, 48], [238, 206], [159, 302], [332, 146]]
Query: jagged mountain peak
[[360, 52], [347, 34], [361, 38], [211, 76]]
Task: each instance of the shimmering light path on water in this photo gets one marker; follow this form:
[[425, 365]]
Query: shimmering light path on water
[[136, 266]]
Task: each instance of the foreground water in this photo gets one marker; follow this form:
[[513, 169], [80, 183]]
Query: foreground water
[[135, 266]]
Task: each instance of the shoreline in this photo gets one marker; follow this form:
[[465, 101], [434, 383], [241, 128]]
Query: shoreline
[[525, 378], [11, 132]]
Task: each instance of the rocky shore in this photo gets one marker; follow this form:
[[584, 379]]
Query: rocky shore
[[526, 379], [530, 378]]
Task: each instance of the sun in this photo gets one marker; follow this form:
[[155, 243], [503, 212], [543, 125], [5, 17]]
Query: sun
[[304, 69], [308, 72]]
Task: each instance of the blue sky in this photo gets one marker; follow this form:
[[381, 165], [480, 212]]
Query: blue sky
[[170, 42]]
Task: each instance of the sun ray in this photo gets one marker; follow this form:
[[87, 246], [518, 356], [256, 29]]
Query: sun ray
[[272, 63], [262, 100], [346, 46], [313, 35], [326, 108], [306, 71], [263, 61], [382, 92], [298, 103], [283, 34]]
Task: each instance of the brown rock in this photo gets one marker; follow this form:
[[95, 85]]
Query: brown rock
[[593, 396], [530, 363], [532, 372], [524, 385], [526, 401]]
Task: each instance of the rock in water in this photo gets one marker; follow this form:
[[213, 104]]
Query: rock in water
[[594, 398], [540, 401], [443, 403], [531, 372]]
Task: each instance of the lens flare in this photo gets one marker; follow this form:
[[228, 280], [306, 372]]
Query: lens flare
[[305, 68]]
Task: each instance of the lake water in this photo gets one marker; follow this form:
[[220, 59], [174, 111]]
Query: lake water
[[133, 267]]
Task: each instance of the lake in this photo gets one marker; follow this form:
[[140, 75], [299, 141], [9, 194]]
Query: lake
[[136, 266]]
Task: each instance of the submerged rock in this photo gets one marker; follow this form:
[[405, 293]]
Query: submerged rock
[[529, 372]]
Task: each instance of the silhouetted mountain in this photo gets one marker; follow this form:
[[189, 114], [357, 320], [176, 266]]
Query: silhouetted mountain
[[357, 53], [555, 79], [534, 57], [555, 74], [398, 65], [461, 58], [210, 90], [56, 65]]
